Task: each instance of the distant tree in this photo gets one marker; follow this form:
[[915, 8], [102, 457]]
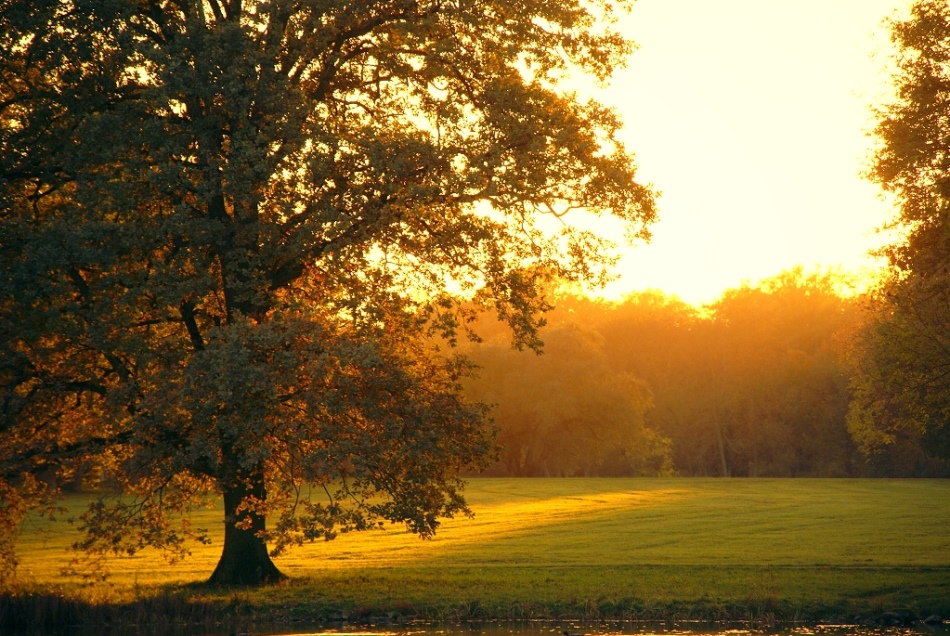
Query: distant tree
[[566, 413], [783, 377], [658, 338], [227, 227], [902, 385], [753, 384]]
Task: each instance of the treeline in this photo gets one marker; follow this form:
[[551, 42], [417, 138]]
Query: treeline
[[755, 384]]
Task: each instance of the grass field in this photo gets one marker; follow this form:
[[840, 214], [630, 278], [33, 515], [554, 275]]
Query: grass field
[[589, 548]]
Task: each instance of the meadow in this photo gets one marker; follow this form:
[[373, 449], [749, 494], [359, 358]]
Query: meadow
[[644, 549]]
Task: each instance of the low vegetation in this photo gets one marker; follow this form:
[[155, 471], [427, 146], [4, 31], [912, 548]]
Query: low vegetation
[[640, 549]]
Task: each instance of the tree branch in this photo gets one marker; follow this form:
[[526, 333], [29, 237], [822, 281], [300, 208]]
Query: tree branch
[[187, 309]]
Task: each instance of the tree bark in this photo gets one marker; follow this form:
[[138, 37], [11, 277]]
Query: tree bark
[[244, 559]]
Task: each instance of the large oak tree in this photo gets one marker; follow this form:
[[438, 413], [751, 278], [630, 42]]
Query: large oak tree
[[227, 230]]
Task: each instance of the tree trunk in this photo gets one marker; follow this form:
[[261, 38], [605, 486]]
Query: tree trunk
[[244, 559], [724, 463]]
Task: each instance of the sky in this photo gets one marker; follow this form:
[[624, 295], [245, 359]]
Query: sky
[[751, 117]]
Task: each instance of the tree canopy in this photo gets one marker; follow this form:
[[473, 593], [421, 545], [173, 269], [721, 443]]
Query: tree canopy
[[228, 227], [902, 387]]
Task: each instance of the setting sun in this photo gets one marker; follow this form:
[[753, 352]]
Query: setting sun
[[752, 119]]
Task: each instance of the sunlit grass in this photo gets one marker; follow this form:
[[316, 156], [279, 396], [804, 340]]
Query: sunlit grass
[[607, 522], [600, 547]]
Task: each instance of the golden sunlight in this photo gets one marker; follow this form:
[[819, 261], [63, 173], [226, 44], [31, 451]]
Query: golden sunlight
[[752, 119]]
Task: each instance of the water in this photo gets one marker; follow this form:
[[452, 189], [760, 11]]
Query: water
[[523, 628], [558, 628], [555, 628]]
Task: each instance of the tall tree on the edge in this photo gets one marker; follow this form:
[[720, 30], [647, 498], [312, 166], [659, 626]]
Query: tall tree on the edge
[[903, 386], [227, 227]]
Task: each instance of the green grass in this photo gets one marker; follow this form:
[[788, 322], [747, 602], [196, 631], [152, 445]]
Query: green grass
[[587, 548]]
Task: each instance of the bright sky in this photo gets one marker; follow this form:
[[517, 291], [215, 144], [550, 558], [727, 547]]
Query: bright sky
[[750, 116]]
